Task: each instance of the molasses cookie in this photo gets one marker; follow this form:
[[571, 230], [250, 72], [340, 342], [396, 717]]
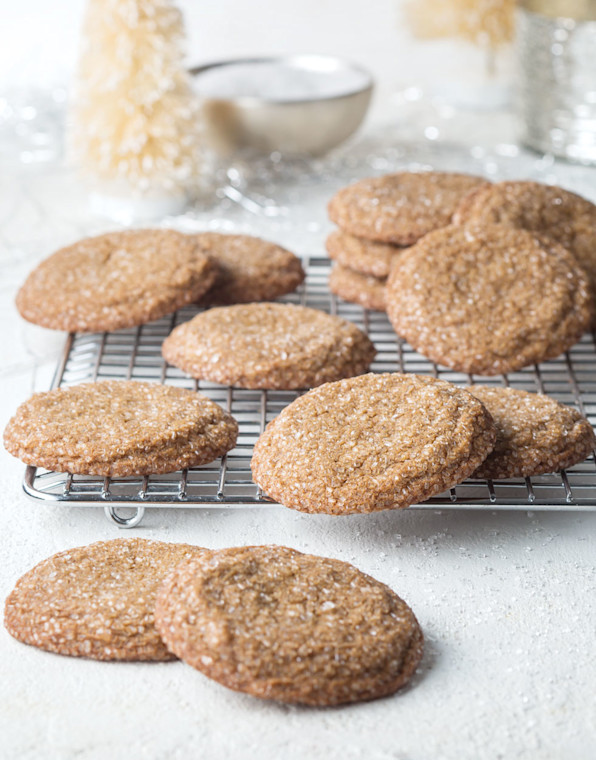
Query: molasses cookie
[[400, 208], [378, 441], [535, 434], [117, 428], [363, 289], [96, 601], [120, 279], [279, 624], [488, 299], [268, 345], [248, 269]]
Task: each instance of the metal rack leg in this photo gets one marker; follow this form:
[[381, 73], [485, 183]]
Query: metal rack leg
[[124, 522]]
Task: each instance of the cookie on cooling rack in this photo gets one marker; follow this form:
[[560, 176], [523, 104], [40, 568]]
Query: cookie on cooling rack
[[360, 255], [279, 624], [268, 345], [96, 601], [118, 427], [400, 208], [378, 441], [363, 289], [120, 279], [488, 299], [565, 217], [248, 269], [535, 434]]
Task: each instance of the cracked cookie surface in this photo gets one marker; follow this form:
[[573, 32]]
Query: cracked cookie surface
[[279, 624], [116, 280], [565, 217], [378, 441], [489, 299]]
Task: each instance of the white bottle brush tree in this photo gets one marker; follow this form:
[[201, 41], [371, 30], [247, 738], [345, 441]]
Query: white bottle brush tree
[[134, 117]]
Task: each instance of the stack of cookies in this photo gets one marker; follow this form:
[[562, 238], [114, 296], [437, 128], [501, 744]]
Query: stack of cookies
[[494, 277], [511, 282], [378, 218]]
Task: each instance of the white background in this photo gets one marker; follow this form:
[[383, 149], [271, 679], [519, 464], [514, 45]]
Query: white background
[[39, 40]]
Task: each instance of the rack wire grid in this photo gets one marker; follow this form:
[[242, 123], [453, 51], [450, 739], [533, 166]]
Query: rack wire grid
[[135, 353]]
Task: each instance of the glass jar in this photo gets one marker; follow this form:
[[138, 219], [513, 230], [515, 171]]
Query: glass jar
[[557, 61]]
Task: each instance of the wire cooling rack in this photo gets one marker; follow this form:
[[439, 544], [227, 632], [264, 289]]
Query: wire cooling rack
[[136, 354]]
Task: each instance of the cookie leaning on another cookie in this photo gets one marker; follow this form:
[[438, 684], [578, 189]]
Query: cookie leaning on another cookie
[[119, 427], [535, 434], [248, 269], [279, 624], [96, 601], [363, 289], [120, 279], [488, 299], [378, 441], [400, 208], [268, 345]]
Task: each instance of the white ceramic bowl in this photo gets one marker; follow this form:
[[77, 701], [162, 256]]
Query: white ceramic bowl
[[296, 105]]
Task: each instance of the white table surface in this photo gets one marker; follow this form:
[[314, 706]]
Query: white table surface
[[506, 599]]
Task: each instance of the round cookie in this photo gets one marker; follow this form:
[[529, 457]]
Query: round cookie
[[488, 299], [268, 345], [279, 624], [249, 269], [400, 208], [118, 427], [378, 441], [120, 279], [360, 255], [535, 434], [358, 288], [96, 601], [565, 217]]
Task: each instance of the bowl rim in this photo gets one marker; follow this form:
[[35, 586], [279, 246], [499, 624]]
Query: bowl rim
[[298, 60]]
